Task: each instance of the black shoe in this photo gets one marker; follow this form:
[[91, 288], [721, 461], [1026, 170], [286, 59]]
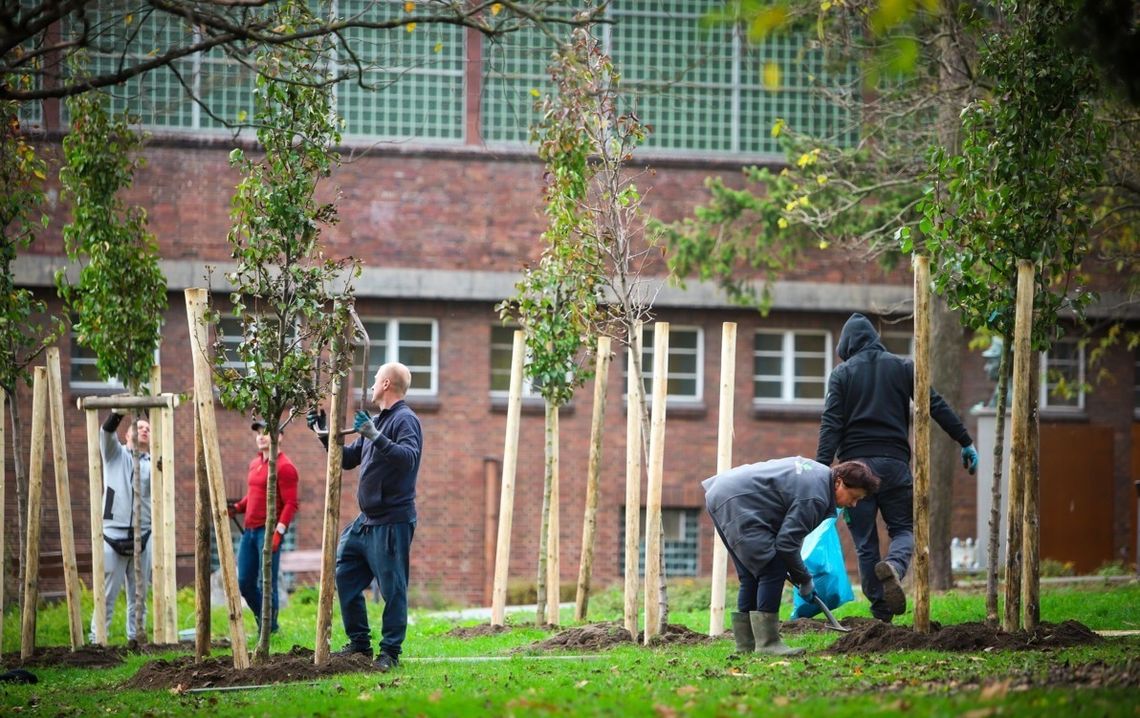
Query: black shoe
[[351, 650], [893, 597], [385, 662]]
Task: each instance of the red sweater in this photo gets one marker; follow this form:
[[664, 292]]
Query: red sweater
[[253, 503]]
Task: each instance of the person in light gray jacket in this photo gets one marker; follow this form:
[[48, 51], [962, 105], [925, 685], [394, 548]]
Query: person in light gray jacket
[[118, 513], [763, 512]]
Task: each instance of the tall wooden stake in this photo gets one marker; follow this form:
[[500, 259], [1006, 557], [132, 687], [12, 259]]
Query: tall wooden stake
[[921, 444], [507, 486], [201, 546], [723, 463], [553, 567], [632, 482], [653, 608], [1031, 526], [168, 533], [95, 506], [196, 302], [157, 479], [330, 532], [3, 517], [63, 499], [1019, 459], [35, 494], [593, 472]]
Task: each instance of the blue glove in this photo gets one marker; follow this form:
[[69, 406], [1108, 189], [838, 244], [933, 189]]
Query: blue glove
[[316, 421], [807, 590], [970, 458], [363, 424]]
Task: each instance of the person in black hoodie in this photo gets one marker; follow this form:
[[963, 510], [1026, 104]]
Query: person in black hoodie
[[866, 416], [376, 546]]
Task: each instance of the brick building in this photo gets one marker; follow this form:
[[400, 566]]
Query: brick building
[[443, 207]]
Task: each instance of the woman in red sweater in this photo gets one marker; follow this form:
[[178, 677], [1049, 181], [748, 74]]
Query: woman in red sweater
[[253, 505]]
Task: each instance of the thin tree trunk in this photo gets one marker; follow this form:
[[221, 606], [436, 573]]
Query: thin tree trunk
[[540, 618], [995, 488]]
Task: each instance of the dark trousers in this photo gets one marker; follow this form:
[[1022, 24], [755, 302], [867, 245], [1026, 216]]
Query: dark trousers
[[762, 591], [895, 501], [249, 572], [368, 553]]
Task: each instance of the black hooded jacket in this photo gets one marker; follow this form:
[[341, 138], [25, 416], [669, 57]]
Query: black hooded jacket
[[867, 410]]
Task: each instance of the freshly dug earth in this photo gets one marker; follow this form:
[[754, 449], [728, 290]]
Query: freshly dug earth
[[812, 625], [599, 636], [1096, 674], [92, 656], [297, 665], [878, 637], [483, 629]]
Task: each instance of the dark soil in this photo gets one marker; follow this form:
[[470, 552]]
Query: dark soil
[[182, 674], [877, 637], [600, 636], [812, 625], [483, 629], [91, 656]]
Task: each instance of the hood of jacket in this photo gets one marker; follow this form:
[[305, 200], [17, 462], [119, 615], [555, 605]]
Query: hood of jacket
[[858, 334]]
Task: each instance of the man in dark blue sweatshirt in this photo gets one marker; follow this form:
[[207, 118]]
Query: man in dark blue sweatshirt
[[377, 544], [866, 416]]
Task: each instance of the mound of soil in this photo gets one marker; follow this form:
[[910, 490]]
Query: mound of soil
[[812, 625], [600, 636], [85, 657], [297, 665], [878, 637], [483, 629]]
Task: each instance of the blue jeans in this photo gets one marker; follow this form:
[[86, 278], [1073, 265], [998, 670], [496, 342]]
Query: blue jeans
[[368, 553], [895, 501], [249, 572], [759, 592]]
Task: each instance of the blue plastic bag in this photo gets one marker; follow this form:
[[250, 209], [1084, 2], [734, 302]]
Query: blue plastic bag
[[823, 556]]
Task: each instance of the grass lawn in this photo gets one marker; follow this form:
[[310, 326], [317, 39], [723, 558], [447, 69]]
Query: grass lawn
[[438, 678]]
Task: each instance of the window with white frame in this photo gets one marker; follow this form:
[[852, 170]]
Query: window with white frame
[[231, 334], [790, 366], [84, 374], [502, 346], [899, 343], [1063, 376], [678, 541], [686, 363], [412, 342]]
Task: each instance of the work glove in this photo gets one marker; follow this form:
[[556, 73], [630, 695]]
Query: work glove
[[277, 536], [316, 421], [970, 458], [363, 424], [807, 590], [231, 510]]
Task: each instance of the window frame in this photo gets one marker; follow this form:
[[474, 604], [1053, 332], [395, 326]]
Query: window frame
[[114, 384], [392, 352], [788, 376], [1045, 396], [647, 366], [528, 389]]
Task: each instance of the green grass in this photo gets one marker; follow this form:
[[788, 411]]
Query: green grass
[[702, 680]]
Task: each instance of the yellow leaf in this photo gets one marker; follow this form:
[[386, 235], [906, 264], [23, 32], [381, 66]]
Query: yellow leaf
[[409, 6], [534, 92], [411, 26], [805, 201], [767, 20], [496, 8], [438, 47], [771, 76], [782, 223], [790, 206], [778, 127], [821, 179], [805, 160], [130, 18], [581, 684], [824, 244]]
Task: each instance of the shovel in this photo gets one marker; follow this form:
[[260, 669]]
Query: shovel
[[831, 622]]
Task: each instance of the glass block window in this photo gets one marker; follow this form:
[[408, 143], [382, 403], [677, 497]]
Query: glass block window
[[700, 87], [412, 80], [678, 541], [412, 342], [685, 366], [502, 346], [1063, 376], [899, 343], [790, 366]]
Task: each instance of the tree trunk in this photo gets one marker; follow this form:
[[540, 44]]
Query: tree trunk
[[540, 586], [995, 490]]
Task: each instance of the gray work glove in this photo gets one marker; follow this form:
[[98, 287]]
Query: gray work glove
[[363, 424], [316, 421], [807, 590]]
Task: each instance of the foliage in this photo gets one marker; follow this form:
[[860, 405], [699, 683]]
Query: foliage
[[22, 174], [1018, 187], [120, 296], [284, 292]]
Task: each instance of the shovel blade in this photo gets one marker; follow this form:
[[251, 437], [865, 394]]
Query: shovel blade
[[831, 622]]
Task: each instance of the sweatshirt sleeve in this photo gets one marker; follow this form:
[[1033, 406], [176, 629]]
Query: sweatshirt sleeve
[[941, 412], [831, 422], [404, 450], [287, 481]]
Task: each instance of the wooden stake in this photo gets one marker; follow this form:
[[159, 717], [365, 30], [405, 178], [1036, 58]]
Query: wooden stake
[[1019, 459], [723, 463], [3, 518], [196, 302], [921, 563], [169, 530], [95, 506], [507, 487], [63, 500], [35, 493], [201, 547], [553, 568], [124, 401], [334, 472], [632, 481], [157, 478], [656, 471], [593, 471], [1031, 527]]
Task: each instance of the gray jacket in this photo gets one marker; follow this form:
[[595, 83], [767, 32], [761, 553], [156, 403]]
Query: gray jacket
[[118, 486], [768, 509]]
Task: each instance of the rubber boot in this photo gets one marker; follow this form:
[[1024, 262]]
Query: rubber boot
[[742, 632], [766, 629]]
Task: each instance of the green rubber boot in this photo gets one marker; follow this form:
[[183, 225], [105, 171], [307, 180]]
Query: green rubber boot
[[766, 629], [742, 632]]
